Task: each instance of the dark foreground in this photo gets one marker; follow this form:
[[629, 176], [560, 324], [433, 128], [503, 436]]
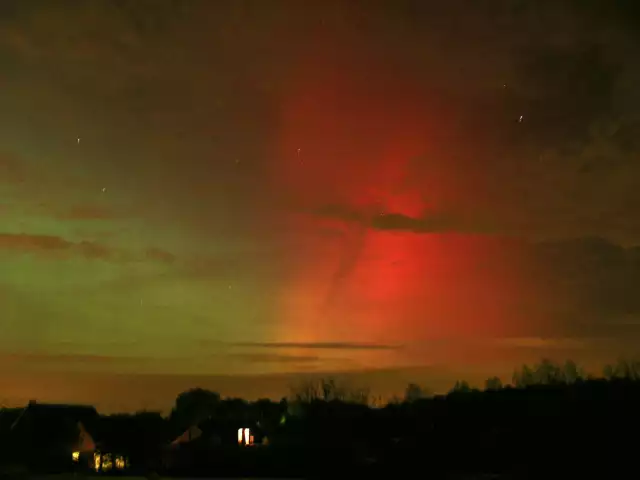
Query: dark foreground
[[578, 430]]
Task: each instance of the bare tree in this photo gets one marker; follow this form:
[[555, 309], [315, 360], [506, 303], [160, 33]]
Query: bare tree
[[328, 390], [306, 392], [623, 369]]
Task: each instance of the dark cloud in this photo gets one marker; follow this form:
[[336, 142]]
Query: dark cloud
[[597, 283], [67, 358], [275, 358], [381, 220], [28, 243], [54, 245], [436, 223], [321, 346]]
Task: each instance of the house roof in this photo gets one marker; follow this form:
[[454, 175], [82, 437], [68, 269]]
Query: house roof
[[46, 424]]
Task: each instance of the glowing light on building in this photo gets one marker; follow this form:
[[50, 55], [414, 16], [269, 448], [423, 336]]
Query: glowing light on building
[[97, 461], [107, 463], [244, 436], [120, 462], [75, 456]]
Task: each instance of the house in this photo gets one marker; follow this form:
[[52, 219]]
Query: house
[[211, 441], [57, 437], [222, 433], [52, 437]]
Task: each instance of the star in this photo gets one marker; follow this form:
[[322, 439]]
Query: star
[[78, 140], [104, 189]]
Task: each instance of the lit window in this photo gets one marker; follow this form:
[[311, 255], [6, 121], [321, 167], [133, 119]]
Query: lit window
[[107, 463], [246, 436], [240, 431], [97, 461], [75, 456], [120, 462]]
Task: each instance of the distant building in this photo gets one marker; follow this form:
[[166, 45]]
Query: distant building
[[210, 441], [57, 438]]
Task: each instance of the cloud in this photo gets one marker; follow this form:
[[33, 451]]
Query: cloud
[[96, 360], [397, 221], [594, 284], [321, 346], [64, 358], [28, 243], [543, 343], [359, 221], [159, 255], [88, 213], [55, 245], [275, 358]]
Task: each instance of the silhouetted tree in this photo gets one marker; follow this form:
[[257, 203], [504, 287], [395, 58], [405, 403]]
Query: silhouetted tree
[[623, 369], [493, 383], [461, 386], [572, 373], [193, 406], [412, 393], [327, 390], [237, 409], [305, 392], [608, 372], [547, 373], [523, 378], [415, 392], [360, 396]]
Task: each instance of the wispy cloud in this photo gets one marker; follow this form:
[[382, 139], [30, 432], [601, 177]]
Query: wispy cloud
[[27, 242], [55, 245], [51, 244], [160, 255], [378, 219], [321, 346], [543, 343], [275, 358], [70, 359], [88, 212]]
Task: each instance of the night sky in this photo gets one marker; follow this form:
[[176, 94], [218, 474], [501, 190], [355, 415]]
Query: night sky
[[218, 193]]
